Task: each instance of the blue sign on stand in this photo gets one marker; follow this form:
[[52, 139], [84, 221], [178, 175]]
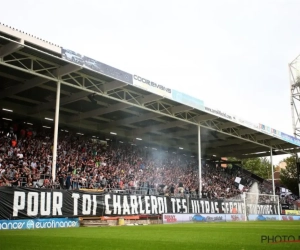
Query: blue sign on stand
[[39, 223], [187, 100]]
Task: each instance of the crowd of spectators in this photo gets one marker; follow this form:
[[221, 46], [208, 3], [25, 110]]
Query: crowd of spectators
[[26, 161]]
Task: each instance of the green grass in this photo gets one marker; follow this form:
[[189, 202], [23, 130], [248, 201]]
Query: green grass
[[214, 236]]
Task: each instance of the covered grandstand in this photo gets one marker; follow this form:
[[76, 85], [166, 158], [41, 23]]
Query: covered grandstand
[[42, 80]]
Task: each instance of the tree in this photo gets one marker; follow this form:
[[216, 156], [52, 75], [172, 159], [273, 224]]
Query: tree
[[258, 166], [265, 170], [288, 176]]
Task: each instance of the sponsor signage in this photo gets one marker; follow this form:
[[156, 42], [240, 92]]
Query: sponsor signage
[[263, 217], [39, 223], [276, 133], [259, 127], [235, 217], [290, 217], [23, 203], [292, 212], [290, 139], [95, 65], [246, 123], [152, 87], [180, 218], [219, 113], [187, 100]]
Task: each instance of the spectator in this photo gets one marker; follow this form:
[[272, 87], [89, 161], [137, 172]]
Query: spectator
[[115, 168]]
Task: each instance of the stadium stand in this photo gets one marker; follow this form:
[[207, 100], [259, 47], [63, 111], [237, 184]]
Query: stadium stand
[[85, 163]]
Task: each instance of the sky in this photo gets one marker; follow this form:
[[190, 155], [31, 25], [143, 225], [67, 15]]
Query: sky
[[233, 55]]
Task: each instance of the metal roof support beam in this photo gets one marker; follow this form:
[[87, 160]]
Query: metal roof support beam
[[271, 161], [262, 137], [199, 161], [112, 108], [247, 131], [144, 117], [232, 152], [99, 111], [158, 127], [252, 148], [207, 117], [37, 81], [171, 125], [156, 140], [55, 139], [149, 98], [225, 143], [22, 87], [262, 154], [10, 48], [180, 108], [67, 69], [228, 125], [112, 85], [11, 77], [131, 120], [63, 101]]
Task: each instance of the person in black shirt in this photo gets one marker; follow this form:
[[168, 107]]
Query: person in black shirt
[[23, 178], [61, 181], [16, 182], [172, 189], [68, 181]]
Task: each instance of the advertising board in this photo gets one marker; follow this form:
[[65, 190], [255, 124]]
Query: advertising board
[[185, 218], [187, 100], [292, 212], [95, 65], [39, 223], [152, 87], [219, 113], [276, 133], [290, 217], [263, 217]]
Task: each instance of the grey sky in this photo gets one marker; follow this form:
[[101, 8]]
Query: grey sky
[[234, 55]]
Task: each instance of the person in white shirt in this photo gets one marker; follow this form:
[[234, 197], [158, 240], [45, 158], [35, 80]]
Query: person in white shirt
[[33, 165]]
